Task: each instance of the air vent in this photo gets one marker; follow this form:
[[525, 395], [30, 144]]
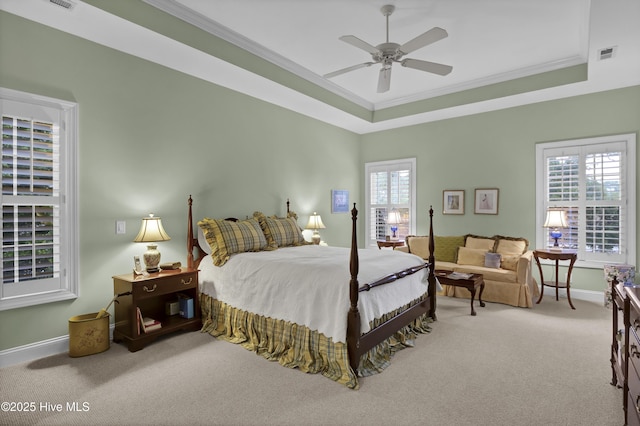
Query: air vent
[[63, 3], [607, 53]]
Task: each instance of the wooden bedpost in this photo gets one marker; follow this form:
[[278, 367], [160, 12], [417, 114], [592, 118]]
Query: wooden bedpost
[[432, 267], [190, 236], [353, 318]]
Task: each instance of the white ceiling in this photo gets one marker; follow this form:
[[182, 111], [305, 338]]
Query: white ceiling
[[489, 41]]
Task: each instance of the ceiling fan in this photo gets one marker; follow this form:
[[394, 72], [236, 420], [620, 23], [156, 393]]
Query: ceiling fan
[[388, 53]]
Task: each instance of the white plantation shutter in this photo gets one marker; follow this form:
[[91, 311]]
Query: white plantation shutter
[[30, 191], [38, 200], [592, 179], [390, 185]]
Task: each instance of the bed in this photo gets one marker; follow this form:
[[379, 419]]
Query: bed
[[307, 306]]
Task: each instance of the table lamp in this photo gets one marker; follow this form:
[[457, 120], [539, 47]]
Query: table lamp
[[393, 220], [151, 231], [315, 223], [556, 219]]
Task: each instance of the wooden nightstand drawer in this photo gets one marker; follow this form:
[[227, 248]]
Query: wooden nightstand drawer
[[153, 288]]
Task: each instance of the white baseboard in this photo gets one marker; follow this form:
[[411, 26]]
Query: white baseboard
[[37, 350], [33, 351], [59, 345], [577, 294]]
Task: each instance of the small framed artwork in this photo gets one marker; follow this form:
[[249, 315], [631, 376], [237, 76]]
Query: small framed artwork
[[486, 201], [339, 201], [453, 201]]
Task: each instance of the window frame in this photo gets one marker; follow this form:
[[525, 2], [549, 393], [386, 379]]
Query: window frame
[[586, 146], [389, 164], [65, 115]]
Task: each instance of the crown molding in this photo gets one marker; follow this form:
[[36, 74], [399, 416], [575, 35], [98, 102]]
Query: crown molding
[[485, 81], [214, 28]]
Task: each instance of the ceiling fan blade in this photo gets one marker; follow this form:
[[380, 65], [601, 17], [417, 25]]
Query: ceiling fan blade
[[425, 39], [345, 70], [427, 66], [360, 44], [384, 80]]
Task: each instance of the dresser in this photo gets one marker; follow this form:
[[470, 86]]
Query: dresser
[[625, 349], [633, 357]]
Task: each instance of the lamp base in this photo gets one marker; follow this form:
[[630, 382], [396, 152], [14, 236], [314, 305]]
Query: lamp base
[[394, 236], [152, 258], [315, 238]]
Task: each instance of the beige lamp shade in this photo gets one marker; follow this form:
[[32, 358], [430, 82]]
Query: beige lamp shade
[[151, 231], [394, 217], [315, 223], [556, 218]]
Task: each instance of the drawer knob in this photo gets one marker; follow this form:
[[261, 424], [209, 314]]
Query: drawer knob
[[636, 324], [634, 351], [145, 288], [186, 282]]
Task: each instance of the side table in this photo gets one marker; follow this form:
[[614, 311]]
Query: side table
[[557, 256], [390, 243], [471, 283]]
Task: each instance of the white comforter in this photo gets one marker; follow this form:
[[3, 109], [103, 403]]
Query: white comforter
[[309, 285]]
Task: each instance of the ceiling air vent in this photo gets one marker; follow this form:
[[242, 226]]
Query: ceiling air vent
[[63, 3], [607, 53]]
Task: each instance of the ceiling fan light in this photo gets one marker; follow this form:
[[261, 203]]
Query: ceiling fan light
[[384, 79]]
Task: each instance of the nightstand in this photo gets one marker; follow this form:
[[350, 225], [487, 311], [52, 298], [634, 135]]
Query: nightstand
[[557, 256], [150, 295]]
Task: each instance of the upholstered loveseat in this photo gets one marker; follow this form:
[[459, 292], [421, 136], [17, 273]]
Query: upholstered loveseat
[[505, 263]]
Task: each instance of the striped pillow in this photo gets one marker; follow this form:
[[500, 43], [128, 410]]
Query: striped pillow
[[280, 232], [226, 237]]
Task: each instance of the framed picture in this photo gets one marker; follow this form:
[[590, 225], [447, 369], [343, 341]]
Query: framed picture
[[486, 201], [453, 201], [339, 201]]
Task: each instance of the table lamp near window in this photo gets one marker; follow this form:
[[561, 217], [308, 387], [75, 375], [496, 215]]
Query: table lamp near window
[[151, 231], [315, 223], [556, 219], [393, 220]]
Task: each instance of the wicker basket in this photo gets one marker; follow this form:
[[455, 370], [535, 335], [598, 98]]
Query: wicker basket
[[88, 335]]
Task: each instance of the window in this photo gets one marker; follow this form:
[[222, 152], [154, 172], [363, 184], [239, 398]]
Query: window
[[593, 180], [39, 208], [390, 192]]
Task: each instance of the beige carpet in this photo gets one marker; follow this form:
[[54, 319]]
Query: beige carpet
[[507, 366]]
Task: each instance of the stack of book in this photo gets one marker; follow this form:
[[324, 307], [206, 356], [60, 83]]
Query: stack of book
[[147, 324]]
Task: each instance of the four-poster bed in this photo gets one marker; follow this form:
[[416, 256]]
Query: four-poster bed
[[321, 326]]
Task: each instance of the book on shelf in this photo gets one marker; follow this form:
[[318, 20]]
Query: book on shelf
[[147, 324], [186, 305]]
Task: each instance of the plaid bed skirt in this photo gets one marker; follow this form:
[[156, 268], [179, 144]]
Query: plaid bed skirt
[[296, 346]]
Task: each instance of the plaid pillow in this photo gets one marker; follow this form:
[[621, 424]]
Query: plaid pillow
[[227, 237], [280, 232]]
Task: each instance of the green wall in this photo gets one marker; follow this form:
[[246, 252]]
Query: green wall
[[497, 150], [149, 137]]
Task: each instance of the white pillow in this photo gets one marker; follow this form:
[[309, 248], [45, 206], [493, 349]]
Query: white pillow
[[202, 240]]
